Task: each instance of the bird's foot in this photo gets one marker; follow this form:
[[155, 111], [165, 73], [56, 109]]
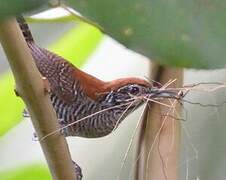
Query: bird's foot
[[78, 171]]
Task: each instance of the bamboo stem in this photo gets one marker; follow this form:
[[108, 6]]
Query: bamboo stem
[[160, 135], [30, 87]]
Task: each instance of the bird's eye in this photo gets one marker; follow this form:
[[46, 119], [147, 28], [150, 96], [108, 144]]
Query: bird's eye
[[134, 90]]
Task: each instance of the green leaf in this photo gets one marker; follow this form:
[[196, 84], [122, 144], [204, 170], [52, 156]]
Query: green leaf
[[33, 172], [11, 107], [16, 7], [185, 33]]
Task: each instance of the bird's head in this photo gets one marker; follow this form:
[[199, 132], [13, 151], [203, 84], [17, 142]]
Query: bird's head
[[126, 96], [132, 92], [122, 91]]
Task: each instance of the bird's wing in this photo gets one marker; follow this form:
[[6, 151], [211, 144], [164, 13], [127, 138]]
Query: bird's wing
[[58, 71]]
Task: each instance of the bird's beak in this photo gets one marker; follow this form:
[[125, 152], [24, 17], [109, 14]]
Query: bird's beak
[[159, 93]]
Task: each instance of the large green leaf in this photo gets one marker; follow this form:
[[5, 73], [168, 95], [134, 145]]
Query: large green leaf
[[10, 106], [15, 7], [187, 33], [33, 172]]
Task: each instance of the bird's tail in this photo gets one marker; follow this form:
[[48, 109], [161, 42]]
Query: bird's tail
[[25, 29]]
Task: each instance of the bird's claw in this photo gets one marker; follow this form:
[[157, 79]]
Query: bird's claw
[[78, 170]]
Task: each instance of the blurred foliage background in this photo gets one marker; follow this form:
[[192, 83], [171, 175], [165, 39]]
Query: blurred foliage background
[[177, 32]]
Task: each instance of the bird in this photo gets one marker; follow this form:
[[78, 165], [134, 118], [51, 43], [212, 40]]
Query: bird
[[85, 105]]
